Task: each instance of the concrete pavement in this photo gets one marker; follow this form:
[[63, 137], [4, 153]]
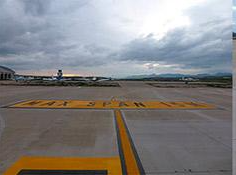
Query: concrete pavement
[[167, 141]]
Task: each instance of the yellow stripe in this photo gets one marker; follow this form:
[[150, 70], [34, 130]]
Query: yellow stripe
[[113, 104], [111, 164], [130, 161]]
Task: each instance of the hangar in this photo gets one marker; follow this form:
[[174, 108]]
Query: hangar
[[6, 73]]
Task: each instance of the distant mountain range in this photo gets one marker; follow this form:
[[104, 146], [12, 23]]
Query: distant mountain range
[[219, 74]]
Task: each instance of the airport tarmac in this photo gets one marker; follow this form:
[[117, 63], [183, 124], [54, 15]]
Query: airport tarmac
[[163, 141]]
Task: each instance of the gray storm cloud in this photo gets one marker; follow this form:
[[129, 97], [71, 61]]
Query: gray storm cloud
[[207, 46], [31, 33]]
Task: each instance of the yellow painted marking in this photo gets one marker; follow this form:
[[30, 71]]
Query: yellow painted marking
[[111, 164], [113, 104], [130, 161]]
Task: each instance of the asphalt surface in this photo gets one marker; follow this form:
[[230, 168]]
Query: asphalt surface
[[197, 142]]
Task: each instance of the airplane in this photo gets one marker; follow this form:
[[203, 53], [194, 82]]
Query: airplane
[[104, 79], [50, 79], [188, 79], [22, 78]]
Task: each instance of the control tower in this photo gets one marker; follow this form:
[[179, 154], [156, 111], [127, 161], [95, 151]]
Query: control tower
[[59, 74]]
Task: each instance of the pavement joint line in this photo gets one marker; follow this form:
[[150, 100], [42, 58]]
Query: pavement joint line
[[140, 109], [191, 172], [63, 172], [203, 115], [130, 161], [209, 136]]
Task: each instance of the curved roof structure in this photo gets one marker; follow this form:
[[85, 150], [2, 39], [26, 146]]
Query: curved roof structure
[[6, 69]]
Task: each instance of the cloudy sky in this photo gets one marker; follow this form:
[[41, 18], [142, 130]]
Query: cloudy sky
[[234, 15], [116, 37]]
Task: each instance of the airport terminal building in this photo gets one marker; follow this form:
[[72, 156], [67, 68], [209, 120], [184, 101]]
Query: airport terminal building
[[6, 73]]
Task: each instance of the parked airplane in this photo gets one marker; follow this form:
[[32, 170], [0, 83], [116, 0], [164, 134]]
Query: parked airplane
[[50, 79], [104, 79], [22, 78], [188, 79]]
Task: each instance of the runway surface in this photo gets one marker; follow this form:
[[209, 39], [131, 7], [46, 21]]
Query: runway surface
[[117, 140]]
